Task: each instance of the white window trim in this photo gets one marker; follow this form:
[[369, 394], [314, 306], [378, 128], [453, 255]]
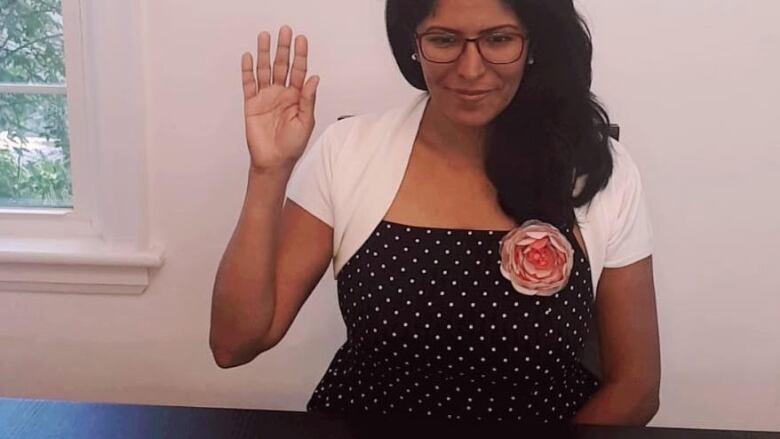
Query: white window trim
[[103, 244]]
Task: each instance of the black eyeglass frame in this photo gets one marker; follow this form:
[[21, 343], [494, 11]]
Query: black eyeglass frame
[[418, 39]]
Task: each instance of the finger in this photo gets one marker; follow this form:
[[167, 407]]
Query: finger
[[282, 61], [309, 97], [263, 60], [300, 62], [248, 76]]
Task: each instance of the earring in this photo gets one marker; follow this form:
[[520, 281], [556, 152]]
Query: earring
[[414, 56], [531, 61]]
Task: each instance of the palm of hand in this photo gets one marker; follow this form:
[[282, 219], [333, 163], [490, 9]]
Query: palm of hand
[[279, 117]]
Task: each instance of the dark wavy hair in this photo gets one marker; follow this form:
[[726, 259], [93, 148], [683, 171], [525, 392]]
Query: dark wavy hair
[[553, 131]]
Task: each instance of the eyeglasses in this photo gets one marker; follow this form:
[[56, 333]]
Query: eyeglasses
[[496, 48]]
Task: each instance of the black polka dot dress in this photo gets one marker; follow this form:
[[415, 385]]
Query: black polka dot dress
[[434, 330]]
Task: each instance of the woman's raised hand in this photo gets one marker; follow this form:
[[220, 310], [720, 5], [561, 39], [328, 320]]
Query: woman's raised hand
[[279, 117]]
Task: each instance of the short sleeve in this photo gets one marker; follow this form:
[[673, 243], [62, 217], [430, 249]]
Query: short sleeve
[[630, 231], [310, 184]]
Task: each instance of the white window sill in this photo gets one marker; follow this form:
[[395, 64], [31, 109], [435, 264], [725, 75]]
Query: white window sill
[[79, 266]]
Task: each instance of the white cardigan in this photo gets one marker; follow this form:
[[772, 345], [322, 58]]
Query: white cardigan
[[350, 175]]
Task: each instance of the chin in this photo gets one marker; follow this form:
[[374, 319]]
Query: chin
[[477, 118], [475, 121]]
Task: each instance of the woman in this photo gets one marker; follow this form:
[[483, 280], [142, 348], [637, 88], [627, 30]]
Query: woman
[[489, 211]]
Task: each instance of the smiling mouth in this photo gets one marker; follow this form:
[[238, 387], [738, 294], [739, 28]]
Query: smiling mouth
[[471, 92], [470, 96]]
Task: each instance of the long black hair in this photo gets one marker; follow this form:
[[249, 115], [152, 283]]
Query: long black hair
[[553, 131]]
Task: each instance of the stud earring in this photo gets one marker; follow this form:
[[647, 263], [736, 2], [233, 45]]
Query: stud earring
[[414, 56], [531, 61]]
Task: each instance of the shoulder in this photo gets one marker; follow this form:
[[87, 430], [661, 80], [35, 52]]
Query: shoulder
[[358, 134], [624, 168], [622, 201], [625, 184], [622, 190]]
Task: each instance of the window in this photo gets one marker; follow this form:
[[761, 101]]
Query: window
[[73, 209], [34, 142]]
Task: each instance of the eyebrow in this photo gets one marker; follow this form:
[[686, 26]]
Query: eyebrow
[[481, 32]]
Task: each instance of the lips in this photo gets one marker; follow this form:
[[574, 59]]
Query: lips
[[471, 96], [470, 92]]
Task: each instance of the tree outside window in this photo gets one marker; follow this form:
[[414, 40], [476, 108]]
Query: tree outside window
[[34, 145]]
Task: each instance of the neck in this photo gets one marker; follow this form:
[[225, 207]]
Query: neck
[[443, 136]]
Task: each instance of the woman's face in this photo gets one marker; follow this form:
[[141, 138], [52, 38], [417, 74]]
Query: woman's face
[[470, 71]]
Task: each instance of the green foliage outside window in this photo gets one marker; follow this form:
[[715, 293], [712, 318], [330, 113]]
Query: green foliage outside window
[[34, 146]]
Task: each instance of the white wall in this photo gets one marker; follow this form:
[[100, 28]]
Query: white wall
[[692, 84]]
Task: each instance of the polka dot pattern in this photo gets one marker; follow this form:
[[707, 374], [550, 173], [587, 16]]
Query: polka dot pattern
[[435, 330]]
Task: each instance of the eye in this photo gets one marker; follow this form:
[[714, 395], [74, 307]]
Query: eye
[[501, 38], [441, 39]]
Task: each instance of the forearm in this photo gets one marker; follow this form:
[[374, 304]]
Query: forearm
[[624, 403], [243, 298]]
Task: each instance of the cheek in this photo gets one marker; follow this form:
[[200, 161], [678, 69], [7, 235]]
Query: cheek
[[513, 79], [511, 84], [434, 76]]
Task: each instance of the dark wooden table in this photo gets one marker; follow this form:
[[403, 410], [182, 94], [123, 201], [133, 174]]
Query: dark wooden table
[[22, 418]]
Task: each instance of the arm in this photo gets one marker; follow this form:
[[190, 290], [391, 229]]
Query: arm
[[277, 252], [630, 352], [243, 299]]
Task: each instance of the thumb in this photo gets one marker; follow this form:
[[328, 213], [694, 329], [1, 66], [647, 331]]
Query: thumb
[[309, 97]]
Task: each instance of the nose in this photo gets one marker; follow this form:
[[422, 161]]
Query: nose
[[471, 65]]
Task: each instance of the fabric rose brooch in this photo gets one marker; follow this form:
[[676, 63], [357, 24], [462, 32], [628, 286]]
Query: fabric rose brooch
[[536, 258]]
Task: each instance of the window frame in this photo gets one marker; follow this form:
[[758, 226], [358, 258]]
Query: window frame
[[103, 244]]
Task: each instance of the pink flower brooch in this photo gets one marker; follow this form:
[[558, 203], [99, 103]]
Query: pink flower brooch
[[536, 258]]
